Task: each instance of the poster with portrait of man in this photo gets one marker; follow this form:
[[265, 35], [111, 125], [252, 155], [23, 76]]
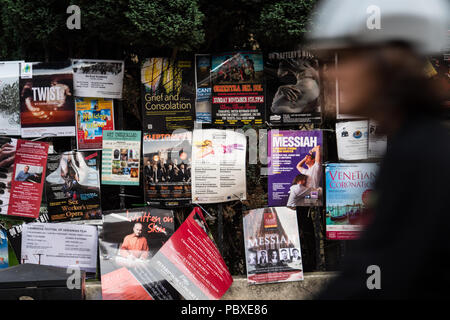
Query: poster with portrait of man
[[128, 240]]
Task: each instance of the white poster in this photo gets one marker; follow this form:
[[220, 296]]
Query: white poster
[[9, 98], [352, 140], [377, 142], [218, 166], [60, 245], [98, 78]]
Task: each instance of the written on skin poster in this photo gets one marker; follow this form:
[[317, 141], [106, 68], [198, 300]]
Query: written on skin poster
[[60, 245], [121, 157], [218, 166]]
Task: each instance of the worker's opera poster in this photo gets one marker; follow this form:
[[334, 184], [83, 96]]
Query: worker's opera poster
[[47, 106], [237, 88], [272, 245], [293, 87], [349, 192], [191, 262], [98, 78], [93, 115], [218, 166], [121, 156], [167, 168], [168, 94], [9, 98], [295, 168], [72, 186], [22, 172], [128, 239]]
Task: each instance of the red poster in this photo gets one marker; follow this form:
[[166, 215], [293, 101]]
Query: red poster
[[191, 262], [121, 284], [27, 179]]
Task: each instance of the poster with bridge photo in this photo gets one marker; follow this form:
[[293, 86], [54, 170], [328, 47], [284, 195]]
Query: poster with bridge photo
[[272, 245], [293, 87], [9, 98], [98, 78], [72, 186], [295, 168], [349, 192], [167, 168], [47, 106], [128, 239]]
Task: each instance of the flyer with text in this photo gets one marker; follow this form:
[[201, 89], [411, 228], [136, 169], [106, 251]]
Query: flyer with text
[[93, 116], [238, 88], [272, 245], [168, 94], [352, 139], [22, 177], [128, 239], [47, 106], [191, 262], [72, 186], [295, 168], [9, 98], [98, 78], [293, 87], [60, 245], [349, 191], [121, 157], [167, 168], [218, 166]]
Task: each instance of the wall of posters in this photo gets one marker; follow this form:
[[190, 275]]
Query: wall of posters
[[218, 166], [168, 94], [60, 245], [9, 98], [93, 116], [3, 249], [272, 245], [72, 186], [98, 78], [348, 191], [167, 168], [203, 88], [377, 142], [295, 168], [238, 88], [293, 87], [47, 105], [352, 140], [191, 262], [128, 240], [121, 157], [22, 169]]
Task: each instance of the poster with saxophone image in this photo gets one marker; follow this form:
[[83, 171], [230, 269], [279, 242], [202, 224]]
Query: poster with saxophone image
[[168, 94], [293, 88], [72, 186], [47, 106]]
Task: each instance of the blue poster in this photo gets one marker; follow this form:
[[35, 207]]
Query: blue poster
[[3, 249]]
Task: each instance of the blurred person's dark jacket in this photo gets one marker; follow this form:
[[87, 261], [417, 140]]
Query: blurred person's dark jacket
[[409, 236]]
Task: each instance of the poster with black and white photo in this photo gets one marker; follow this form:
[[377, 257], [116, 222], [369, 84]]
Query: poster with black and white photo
[[272, 245], [9, 98], [98, 78], [293, 87], [72, 186], [167, 168]]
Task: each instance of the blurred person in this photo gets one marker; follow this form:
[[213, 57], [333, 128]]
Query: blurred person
[[381, 73]]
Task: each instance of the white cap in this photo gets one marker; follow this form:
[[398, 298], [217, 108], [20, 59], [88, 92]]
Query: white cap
[[346, 23]]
